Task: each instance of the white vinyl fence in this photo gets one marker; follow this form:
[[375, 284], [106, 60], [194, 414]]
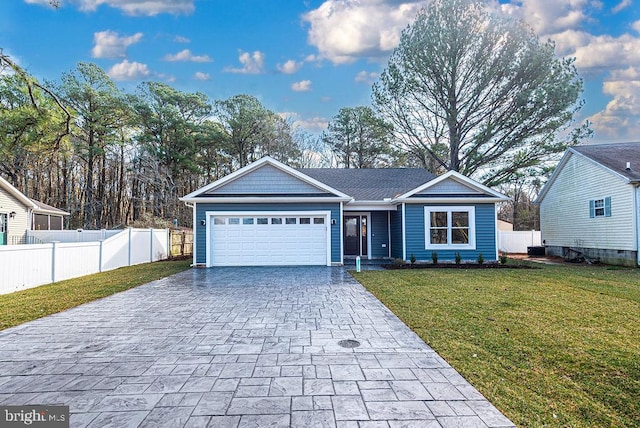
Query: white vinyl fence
[[80, 235], [517, 242], [27, 266]]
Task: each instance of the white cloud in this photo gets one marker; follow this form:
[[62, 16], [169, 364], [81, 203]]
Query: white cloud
[[313, 124], [367, 77], [128, 71], [181, 39], [301, 86], [133, 7], [636, 26], [620, 120], [622, 5], [345, 30], [607, 52], [202, 76], [251, 63], [289, 67], [108, 44], [550, 16], [186, 55]]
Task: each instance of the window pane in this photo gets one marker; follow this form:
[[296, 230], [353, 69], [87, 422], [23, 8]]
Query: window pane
[[218, 220], [305, 220], [41, 222], [460, 236], [247, 220], [438, 236], [276, 221], [56, 223], [263, 220], [234, 220], [291, 220], [599, 203], [439, 219], [318, 220], [460, 219]]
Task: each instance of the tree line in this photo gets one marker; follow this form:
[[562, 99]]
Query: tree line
[[465, 90]]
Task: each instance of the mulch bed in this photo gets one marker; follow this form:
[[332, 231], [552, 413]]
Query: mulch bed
[[392, 266]]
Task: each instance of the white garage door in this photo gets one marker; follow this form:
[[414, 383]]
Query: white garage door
[[265, 240]]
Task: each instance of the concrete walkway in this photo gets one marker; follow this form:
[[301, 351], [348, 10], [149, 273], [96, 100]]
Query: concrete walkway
[[238, 347]]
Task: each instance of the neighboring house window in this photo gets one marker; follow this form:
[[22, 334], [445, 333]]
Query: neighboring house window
[[450, 227], [600, 207]]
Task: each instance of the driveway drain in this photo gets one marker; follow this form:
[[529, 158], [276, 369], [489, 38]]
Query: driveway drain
[[349, 343]]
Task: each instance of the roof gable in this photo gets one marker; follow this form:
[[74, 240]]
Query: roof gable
[[449, 186], [265, 177], [452, 184]]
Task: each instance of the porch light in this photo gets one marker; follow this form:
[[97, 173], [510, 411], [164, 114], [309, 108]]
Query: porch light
[[12, 214]]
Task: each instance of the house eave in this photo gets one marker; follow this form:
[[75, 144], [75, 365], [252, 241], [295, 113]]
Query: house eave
[[454, 200], [266, 199]]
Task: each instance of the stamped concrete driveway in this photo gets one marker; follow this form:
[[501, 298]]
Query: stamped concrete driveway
[[238, 347]]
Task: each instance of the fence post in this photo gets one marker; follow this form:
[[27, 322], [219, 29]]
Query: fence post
[[129, 261], [53, 261], [100, 257], [151, 244]]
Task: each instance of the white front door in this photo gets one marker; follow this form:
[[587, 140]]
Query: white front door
[[267, 239]]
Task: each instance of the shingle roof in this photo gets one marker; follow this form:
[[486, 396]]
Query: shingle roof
[[615, 157], [371, 184], [48, 208]]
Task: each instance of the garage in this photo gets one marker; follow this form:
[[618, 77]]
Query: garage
[[268, 238]]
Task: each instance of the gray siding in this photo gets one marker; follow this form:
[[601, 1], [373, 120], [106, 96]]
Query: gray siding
[[447, 187], [564, 211], [266, 180], [379, 234], [17, 226], [485, 234], [396, 233], [201, 209]]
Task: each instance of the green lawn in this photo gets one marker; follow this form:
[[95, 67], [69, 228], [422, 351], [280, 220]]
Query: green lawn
[[27, 305], [556, 346]]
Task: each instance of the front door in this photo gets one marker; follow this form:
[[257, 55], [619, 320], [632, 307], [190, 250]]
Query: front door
[[355, 235], [3, 229]]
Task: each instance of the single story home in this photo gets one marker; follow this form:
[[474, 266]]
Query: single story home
[[591, 204], [19, 213], [268, 213]]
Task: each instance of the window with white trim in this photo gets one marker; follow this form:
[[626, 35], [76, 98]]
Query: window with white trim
[[450, 228], [600, 207]]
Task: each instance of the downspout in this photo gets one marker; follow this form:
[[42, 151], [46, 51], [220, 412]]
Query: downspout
[[404, 233], [389, 233], [341, 233]]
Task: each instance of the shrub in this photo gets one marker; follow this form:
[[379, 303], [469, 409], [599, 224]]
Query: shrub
[[480, 258], [458, 258], [434, 257], [503, 259], [412, 259]]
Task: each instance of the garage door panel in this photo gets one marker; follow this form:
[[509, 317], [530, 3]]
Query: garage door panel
[[252, 244]]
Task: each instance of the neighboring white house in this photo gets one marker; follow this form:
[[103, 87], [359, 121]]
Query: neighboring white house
[[18, 214], [591, 204]]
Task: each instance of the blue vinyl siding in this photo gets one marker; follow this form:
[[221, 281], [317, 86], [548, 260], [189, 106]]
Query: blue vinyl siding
[[396, 233], [485, 234], [379, 234], [202, 208]]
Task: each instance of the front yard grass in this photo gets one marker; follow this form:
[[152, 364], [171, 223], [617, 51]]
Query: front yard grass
[[27, 305], [556, 346]]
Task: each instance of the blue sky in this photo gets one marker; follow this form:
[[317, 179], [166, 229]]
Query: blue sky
[[305, 59]]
